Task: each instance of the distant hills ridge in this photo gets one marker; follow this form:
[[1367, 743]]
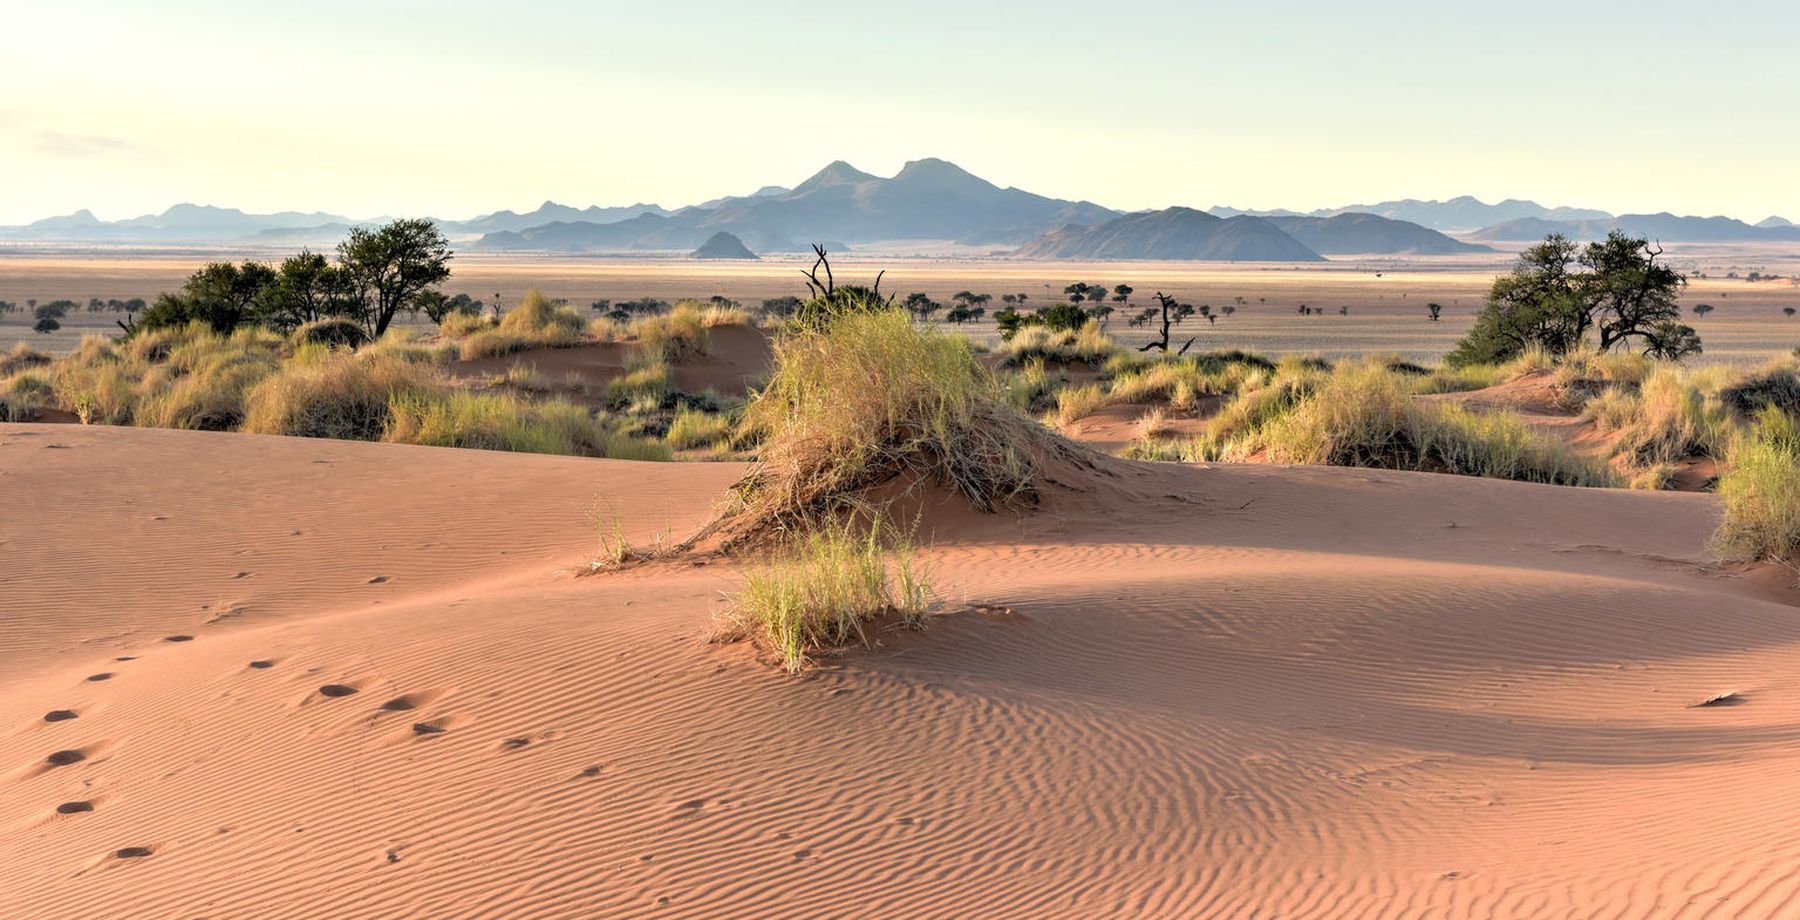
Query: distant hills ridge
[[935, 200]]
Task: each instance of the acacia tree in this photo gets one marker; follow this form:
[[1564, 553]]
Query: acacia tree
[[1435, 309], [391, 266], [1559, 292]]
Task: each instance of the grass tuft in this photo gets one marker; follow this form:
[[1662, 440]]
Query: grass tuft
[[820, 589]]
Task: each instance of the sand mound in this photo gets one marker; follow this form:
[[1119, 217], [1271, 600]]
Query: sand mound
[[1214, 691]]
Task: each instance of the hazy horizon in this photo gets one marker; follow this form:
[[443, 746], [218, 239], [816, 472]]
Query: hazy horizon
[[464, 108]]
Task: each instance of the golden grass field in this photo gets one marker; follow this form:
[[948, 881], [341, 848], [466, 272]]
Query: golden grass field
[[1386, 296]]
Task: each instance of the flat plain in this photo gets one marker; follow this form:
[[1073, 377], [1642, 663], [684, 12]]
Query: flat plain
[[1385, 296]]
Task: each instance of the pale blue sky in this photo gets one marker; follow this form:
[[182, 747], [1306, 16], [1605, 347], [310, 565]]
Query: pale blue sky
[[453, 108]]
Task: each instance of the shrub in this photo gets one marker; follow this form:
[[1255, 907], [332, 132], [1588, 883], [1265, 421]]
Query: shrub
[[333, 331], [1760, 489], [1085, 344], [820, 587], [1777, 385], [345, 396]]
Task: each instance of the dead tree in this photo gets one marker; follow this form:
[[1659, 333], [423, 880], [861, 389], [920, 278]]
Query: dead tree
[[1171, 314]]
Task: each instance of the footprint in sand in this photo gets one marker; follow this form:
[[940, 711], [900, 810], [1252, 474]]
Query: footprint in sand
[[178, 638], [64, 758], [103, 675], [132, 852], [378, 580], [428, 728], [74, 808], [407, 702], [126, 658], [59, 715], [337, 690], [261, 663]]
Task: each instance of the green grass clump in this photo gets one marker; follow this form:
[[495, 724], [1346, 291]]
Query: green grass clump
[[1760, 489], [821, 587], [643, 388], [485, 421], [695, 428], [1364, 415]]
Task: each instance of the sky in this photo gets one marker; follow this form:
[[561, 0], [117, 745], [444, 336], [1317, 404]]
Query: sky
[[454, 108]]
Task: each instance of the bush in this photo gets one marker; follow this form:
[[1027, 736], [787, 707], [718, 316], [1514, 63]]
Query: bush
[[1777, 385], [1760, 489], [821, 586], [1086, 344], [333, 331]]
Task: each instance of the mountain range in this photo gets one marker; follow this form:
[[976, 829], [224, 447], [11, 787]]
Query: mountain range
[[1172, 233], [927, 200], [1663, 226], [932, 200]]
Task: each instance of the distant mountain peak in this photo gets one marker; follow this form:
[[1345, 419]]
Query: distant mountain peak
[[1772, 222], [837, 173]]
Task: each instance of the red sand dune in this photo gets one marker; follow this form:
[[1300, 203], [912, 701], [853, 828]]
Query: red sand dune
[[1221, 691]]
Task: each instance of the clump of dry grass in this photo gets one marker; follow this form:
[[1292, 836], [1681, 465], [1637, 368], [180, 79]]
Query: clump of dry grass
[[868, 398], [674, 336], [338, 395], [1671, 417], [537, 322], [822, 587], [21, 358], [1584, 374], [1088, 345]]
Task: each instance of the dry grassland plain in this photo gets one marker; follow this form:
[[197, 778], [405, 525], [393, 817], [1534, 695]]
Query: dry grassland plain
[[1386, 297]]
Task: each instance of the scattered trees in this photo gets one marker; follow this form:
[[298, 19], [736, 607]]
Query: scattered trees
[[378, 273]]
